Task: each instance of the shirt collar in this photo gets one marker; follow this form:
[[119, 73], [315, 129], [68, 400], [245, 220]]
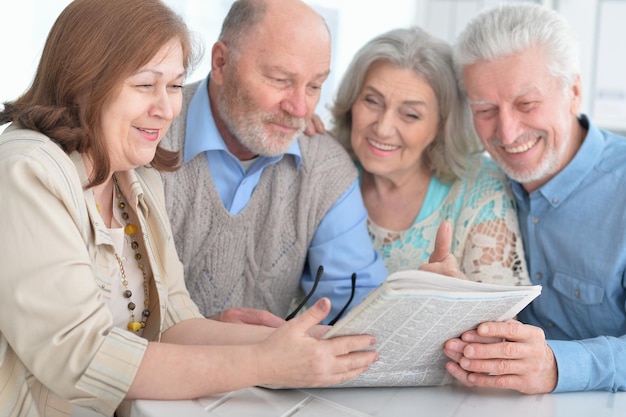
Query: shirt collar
[[201, 134], [569, 178]]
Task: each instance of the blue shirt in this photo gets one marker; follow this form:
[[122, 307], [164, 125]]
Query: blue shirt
[[341, 243], [574, 234]]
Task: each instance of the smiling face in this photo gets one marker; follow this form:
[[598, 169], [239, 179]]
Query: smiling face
[[267, 92], [394, 118], [524, 117], [135, 119]]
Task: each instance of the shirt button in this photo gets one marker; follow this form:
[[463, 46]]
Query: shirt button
[[550, 324], [555, 201], [535, 220], [577, 293], [538, 275]]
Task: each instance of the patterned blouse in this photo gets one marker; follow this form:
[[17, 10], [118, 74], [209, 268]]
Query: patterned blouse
[[486, 238]]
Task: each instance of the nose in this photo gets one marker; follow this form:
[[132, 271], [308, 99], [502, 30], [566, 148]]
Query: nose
[[296, 103], [165, 105], [508, 129], [385, 124]]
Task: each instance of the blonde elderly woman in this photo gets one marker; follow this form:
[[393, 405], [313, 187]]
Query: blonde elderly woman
[[400, 114]]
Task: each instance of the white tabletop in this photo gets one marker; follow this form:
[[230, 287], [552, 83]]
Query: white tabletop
[[446, 401]]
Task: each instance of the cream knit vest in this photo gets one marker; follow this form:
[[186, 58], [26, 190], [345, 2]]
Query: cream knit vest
[[255, 258]]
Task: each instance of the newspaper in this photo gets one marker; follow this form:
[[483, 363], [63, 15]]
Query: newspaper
[[413, 313]]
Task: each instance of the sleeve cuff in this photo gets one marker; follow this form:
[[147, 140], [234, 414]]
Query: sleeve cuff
[[572, 364], [112, 371], [180, 308]]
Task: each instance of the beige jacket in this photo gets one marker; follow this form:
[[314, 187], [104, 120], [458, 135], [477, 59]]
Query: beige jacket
[[57, 342]]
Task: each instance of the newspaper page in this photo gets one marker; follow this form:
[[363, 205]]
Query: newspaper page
[[413, 313]]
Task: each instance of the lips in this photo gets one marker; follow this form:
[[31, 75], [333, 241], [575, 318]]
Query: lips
[[286, 128], [522, 147], [382, 146], [150, 134]]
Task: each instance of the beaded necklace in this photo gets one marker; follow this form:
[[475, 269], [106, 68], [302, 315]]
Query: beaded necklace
[[130, 230]]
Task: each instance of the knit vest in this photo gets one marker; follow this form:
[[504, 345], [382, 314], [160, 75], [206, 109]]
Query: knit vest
[[255, 258]]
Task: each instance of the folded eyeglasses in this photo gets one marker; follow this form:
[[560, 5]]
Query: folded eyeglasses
[[318, 276]]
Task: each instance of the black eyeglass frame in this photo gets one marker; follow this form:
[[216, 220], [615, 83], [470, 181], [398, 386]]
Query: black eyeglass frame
[[318, 276]]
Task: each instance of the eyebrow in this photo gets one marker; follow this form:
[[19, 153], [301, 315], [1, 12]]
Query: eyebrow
[[293, 74], [479, 102], [405, 102], [514, 97], [524, 92], [158, 73]]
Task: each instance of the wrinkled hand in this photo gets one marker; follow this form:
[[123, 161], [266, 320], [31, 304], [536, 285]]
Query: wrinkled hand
[[441, 260], [249, 316], [291, 357], [507, 355], [314, 125]]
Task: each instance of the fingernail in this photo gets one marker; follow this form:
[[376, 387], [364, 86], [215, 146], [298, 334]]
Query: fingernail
[[323, 304], [464, 363], [372, 341]]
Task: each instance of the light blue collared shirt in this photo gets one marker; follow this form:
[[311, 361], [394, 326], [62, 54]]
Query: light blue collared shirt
[[574, 234], [341, 243]]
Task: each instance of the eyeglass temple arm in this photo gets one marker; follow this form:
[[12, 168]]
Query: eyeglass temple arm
[[345, 307], [318, 276]]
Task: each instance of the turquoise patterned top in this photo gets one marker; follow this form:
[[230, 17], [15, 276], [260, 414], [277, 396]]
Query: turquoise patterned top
[[486, 237]]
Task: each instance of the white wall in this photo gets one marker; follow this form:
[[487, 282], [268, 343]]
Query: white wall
[[24, 26], [32, 19]]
